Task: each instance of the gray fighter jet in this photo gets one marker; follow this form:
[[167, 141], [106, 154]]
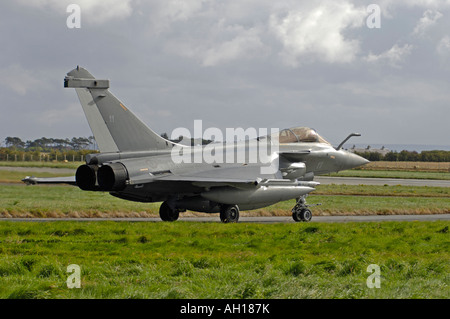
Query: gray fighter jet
[[137, 164]]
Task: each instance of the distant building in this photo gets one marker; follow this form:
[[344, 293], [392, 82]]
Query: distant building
[[382, 151]]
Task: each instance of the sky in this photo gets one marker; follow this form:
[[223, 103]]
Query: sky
[[381, 69]]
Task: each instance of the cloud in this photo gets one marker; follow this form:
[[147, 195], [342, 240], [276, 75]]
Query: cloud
[[428, 19], [176, 10], [443, 47], [388, 7], [317, 34], [20, 80], [56, 116], [92, 11], [394, 57], [162, 14], [244, 45], [174, 61], [221, 44]]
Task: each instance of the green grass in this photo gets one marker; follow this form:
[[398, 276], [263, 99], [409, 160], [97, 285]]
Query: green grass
[[366, 205], [73, 165], [17, 176], [383, 190], [54, 201], [391, 174], [63, 201], [214, 260]]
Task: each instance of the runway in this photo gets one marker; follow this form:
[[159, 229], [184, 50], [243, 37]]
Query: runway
[[260, 220], [326, 180]]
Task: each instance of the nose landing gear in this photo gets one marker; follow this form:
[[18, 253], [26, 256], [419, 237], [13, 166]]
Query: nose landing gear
[[300, 212]]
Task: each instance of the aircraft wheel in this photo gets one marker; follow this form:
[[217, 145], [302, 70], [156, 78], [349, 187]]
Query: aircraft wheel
[[302, 215], [305, 215], [167, 214], [229, 214], [296, 216]]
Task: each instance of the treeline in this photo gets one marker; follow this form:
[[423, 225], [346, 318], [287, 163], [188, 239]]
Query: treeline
[[407, 156], [8, 154], [47, 149], [75, 149], [45, 144]]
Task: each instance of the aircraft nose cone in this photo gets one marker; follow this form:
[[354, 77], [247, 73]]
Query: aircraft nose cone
[[353, 160]]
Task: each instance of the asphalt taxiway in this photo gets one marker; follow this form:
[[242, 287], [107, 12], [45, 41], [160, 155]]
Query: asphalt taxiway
[[244, 219], [327, 180]]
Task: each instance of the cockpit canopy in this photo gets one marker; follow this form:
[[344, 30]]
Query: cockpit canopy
[[298, 135]]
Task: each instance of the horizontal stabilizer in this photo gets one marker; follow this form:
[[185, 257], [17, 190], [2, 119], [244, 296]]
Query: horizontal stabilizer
[[49, 180]]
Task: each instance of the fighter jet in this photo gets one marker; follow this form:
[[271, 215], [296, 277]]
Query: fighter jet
[[137, 164]]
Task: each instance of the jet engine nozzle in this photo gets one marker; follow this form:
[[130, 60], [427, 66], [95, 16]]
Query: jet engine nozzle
[[86, 177], [112, 177]]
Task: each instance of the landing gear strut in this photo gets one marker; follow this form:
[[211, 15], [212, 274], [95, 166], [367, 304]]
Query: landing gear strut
[[300, 212], [167, 214], [229, 214]]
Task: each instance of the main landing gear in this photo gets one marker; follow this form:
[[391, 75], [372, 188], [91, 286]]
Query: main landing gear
[[300, 212], [168, 214], [229, 213]]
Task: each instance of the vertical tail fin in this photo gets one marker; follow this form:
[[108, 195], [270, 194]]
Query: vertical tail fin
[[115, 128]]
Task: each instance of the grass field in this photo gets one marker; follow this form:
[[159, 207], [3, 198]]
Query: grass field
[[408, 166], [17, 176], [392, 174], [69, 201], [73, 165], [214, 260], [203, 260], [63, 201]]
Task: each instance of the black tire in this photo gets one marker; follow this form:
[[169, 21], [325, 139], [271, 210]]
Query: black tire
[[167, 214], [305, 215], [229, 214], [302, 215]]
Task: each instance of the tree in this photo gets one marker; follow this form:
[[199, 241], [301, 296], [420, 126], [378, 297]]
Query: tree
[[14, 142], [92, 142], [79, 143], [391, 156], [375, 156]]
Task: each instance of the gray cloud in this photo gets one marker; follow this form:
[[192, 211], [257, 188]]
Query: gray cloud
[[232, 64]]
